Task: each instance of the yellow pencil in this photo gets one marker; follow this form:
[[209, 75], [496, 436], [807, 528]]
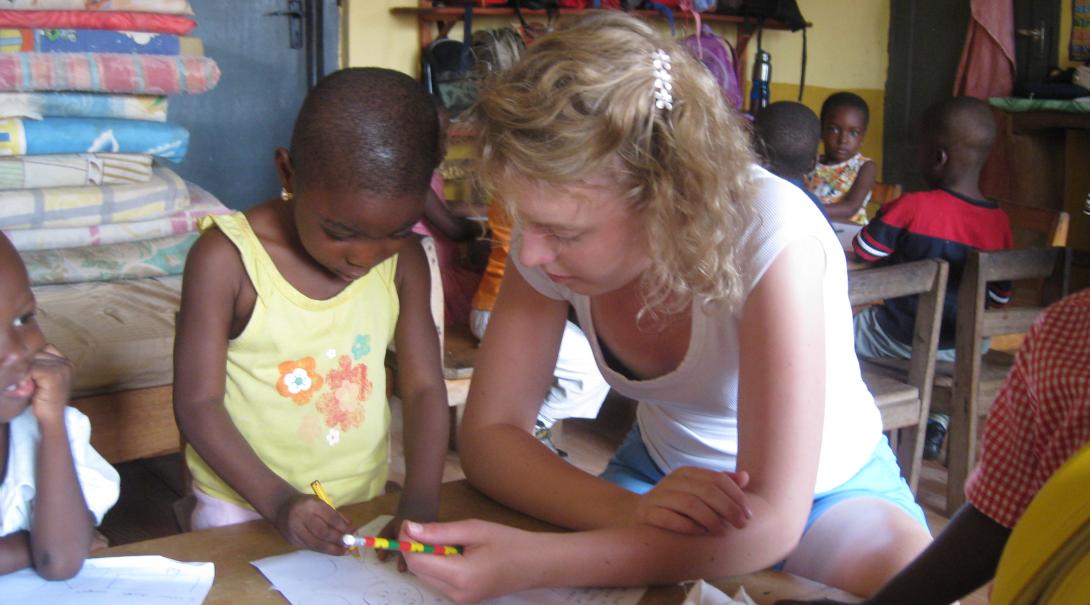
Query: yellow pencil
[[316, 487]]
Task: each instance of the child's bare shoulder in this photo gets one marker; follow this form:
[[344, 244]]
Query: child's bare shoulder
[[211, 250], [412, 263]]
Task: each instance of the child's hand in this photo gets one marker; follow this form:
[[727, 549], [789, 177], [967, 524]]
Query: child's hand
[[98, 541], [695, 501], [307, 522], [52, 375], [489, 567], [391, 532]]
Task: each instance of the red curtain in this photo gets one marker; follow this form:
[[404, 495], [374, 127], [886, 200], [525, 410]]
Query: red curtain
[[987, 70]]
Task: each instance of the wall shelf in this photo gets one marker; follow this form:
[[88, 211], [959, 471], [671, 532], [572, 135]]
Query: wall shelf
[[446, 17]]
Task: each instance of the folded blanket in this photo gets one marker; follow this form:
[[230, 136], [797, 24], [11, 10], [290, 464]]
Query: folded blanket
[[78, 135], [36, 105], [201, 204], [96, 40], [107, 72], [60, 207], [177, 7], [136, 22], [129, 260], [73, 170]]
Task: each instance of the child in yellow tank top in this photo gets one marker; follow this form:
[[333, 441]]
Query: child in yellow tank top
[[287, 312]]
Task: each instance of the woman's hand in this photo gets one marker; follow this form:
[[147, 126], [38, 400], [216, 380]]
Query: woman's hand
[[488, 567], [52, 375], [307, 522], [696, 501]]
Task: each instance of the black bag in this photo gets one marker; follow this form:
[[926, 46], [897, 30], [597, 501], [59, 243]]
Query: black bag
[[785, 11], [448, 69]]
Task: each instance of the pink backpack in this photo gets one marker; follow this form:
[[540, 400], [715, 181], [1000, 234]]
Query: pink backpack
[[718, 56]]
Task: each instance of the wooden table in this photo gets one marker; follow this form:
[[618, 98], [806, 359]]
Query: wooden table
[[239, 583]]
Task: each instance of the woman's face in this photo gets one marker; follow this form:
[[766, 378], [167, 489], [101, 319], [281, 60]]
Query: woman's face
[[583, 237]]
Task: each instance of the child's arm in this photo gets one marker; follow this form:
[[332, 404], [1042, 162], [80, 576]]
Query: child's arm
[[854, 198], [62, 529], [14, 552], [443, 218], [961, 559], [213, 284], [420, 384]]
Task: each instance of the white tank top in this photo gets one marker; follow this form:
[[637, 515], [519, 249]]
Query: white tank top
[[690, 416]]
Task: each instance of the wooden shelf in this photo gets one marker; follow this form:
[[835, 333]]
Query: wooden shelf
[[446, 17], [445, 13]]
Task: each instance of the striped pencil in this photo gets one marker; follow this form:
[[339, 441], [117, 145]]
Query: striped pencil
[[399, 545]]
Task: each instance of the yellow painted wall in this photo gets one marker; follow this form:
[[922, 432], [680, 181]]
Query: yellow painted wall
[[847, 47], [374, 37]]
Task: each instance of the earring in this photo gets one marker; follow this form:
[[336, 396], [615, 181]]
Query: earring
[[286, 195]]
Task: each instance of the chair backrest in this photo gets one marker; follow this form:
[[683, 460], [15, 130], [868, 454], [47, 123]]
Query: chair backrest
[[975, 322], [927, 278], [1037, 227]]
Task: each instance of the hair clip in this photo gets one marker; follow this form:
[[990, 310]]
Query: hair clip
[[660, 60]]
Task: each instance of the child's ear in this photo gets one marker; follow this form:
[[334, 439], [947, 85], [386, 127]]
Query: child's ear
[[942, 158], [285, 170]]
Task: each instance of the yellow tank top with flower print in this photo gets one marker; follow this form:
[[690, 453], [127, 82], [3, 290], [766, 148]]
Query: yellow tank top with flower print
[[306, 384]]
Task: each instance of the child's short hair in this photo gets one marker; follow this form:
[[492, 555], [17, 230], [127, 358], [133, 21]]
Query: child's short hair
[[788, 135], [367, 129], [845, 99], [963, 122], [580, 104]]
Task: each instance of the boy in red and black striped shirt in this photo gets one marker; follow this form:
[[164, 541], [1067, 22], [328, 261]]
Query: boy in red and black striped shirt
[[946, 222]]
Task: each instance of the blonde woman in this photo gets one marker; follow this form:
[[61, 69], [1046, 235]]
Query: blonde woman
[[714, 294]]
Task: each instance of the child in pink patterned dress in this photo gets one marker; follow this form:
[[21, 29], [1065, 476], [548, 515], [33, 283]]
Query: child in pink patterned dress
[[843, 177]]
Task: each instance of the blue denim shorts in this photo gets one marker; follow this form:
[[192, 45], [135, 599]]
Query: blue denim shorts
[[633, 469]]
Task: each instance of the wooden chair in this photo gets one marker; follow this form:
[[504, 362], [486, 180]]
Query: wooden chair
[[904, 400], [966, 392], [1037, 227]]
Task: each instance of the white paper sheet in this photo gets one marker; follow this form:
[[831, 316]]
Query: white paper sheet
[[144, 580], [308, 578], [845, 232], [702, 593]]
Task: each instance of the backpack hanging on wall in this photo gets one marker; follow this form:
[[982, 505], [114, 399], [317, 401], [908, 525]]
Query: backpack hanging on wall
[[448, 69], [719, 57]]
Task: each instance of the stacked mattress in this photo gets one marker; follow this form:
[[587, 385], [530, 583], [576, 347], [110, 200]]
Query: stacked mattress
[[87, 194]]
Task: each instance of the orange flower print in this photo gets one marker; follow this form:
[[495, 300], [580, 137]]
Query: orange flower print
[[298, 380], [342, 403]]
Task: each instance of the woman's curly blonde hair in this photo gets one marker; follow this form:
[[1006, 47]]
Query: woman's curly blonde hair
[[580, 104]]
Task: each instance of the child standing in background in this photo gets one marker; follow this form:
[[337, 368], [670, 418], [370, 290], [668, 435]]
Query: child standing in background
[[287, 311], [447, 228], [843, 177], [54, 487]]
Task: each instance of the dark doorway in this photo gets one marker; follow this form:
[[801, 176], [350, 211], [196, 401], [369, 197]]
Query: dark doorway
[[268, 52], [925, 40]]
